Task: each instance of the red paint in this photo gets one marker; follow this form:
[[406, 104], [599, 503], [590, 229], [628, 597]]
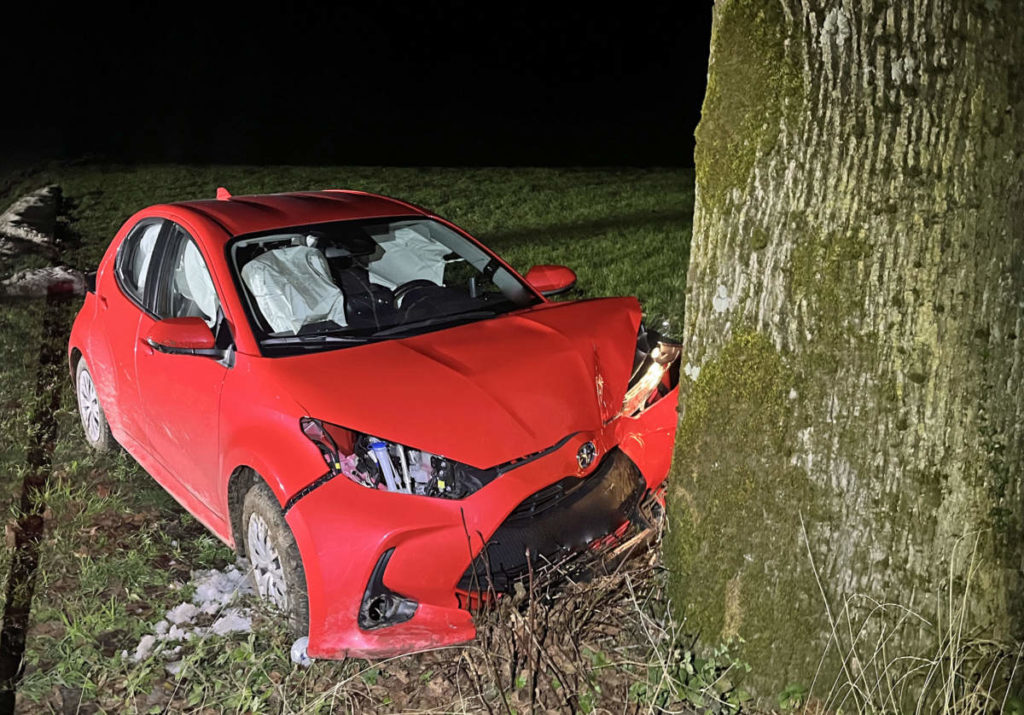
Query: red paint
[[180, 334], [482, 393], [550, 280]]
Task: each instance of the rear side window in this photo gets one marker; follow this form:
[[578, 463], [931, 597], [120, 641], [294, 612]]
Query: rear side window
[[135, 257]]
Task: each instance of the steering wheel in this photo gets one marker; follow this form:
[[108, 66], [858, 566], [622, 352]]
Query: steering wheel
[[402, 290]]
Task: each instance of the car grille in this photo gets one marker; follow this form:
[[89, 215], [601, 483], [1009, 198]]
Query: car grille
[[556, 521]]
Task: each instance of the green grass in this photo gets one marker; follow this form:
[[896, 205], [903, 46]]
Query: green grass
[[625, 232], [117, 548]]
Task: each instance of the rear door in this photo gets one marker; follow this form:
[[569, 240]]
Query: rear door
[[180, 394], [124, 296]]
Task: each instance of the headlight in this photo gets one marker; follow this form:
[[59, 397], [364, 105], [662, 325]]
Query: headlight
[[377, 464], [655, 372]]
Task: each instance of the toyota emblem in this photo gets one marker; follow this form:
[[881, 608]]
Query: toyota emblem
[[585, 455]]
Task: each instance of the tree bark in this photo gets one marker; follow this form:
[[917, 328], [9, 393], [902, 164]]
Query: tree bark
[[848, 472]]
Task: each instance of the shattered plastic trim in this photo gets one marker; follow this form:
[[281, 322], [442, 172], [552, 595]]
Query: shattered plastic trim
[[318, 482]]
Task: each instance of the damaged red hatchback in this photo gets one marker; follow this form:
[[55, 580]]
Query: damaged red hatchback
[[374, 408]]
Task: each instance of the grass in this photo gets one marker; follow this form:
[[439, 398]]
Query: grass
[[962, 672], [117, 549], [625, 232]]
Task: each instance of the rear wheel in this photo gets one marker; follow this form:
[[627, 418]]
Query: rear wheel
[[276, 567], [94, 422]]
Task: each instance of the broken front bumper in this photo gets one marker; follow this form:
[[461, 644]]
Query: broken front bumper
[[388, 573]]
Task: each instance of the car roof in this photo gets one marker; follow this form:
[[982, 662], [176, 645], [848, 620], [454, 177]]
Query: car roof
[[239, 215]]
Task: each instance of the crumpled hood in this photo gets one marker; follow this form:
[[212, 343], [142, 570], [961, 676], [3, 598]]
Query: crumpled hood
[[482, 393]]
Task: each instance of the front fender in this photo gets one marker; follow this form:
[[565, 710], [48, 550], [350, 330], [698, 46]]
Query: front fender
[[648, 438], [260, 430]]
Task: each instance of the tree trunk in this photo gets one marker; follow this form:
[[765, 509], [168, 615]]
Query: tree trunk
[[848, 473]]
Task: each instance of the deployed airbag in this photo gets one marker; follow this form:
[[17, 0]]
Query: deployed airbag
[[193, 281], [408, 256], [293, 288]]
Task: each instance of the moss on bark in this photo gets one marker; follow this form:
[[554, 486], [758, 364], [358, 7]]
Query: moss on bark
[[736, 500], [749, 88], [856, 314]]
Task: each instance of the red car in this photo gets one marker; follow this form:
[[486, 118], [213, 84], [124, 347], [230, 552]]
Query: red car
[[380, 413]]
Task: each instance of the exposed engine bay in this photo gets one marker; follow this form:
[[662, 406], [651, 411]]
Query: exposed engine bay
[[377, 464], [383, 465]]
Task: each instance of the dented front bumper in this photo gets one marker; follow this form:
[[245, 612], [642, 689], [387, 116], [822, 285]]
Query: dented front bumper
[[432, 546]]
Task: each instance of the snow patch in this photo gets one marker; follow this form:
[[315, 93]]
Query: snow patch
[[145, 648], [213, 591], [30, 222], [41, 282], [182, 613], [233, 621]]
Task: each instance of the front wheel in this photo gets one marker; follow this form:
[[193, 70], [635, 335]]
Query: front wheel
[[94, 422], [276, 567]]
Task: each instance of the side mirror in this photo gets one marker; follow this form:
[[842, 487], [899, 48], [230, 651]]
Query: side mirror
[[551, 280], [182, 336]]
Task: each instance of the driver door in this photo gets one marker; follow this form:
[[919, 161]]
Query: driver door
[[180, 394]]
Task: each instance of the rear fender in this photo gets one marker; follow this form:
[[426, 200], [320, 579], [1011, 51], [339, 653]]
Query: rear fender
[[96, 353]]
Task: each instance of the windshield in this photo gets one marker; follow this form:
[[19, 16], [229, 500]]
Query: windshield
[[349, 282]]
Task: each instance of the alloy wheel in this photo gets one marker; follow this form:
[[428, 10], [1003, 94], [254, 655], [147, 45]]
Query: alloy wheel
[[266, 563], [89, 406]]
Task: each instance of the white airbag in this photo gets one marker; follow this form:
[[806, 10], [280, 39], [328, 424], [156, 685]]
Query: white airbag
[[408, 256], [197, 282], [144, 253], [293, 288]]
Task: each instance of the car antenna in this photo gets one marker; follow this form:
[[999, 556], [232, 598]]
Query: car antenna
[[223, 194]]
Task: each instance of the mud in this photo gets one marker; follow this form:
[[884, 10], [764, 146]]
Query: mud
[[50, 380]]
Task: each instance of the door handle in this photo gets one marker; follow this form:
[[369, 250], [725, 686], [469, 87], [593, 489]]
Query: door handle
[[103, 300]]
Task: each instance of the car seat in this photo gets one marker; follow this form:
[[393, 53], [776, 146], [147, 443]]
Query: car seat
[[366, 303]]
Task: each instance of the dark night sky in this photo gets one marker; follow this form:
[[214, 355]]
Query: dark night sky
[[438, 84]]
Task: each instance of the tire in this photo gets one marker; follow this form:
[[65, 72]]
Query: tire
[[94, 422], [275, 565]]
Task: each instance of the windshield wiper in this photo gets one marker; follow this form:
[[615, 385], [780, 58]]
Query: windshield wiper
[[317, 340], [452, 317]]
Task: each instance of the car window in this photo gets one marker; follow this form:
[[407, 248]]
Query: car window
[[185, 289], [135, 257], [369, 279]]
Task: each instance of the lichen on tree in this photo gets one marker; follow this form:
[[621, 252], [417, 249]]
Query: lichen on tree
[[855, 297]]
